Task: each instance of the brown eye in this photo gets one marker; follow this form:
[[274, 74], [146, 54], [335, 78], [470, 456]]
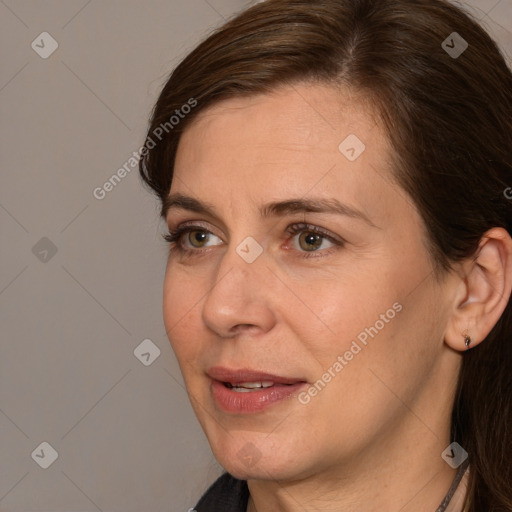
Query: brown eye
[[189, 239], [310, 241], [197, 236]]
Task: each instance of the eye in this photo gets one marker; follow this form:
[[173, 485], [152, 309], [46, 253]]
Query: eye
[[195, 235], [311, 238], [310, 241]]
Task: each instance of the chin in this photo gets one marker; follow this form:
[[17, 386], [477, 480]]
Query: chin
[[260, 471], [244, 460]]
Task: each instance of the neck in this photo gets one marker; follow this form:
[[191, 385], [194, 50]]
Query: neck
[[416, 479], [288, 497]]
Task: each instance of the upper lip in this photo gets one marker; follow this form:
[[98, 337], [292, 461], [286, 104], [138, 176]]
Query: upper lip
[[236, 376]]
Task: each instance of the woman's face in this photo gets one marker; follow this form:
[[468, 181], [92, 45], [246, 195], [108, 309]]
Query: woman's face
[[349, 319]]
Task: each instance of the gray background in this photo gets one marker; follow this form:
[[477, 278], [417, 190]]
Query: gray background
[[125, 434]]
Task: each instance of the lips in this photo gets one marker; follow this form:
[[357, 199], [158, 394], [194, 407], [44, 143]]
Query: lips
[[246, 391], [237, 377]]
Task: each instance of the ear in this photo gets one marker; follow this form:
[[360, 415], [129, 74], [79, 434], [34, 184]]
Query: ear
[[483, 291]]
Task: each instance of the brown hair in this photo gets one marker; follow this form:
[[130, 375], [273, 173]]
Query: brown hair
[[449, 120]]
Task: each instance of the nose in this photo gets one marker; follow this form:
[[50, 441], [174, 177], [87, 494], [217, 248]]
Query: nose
[[240, 300]]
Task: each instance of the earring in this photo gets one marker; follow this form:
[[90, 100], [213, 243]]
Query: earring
[[467, 340]]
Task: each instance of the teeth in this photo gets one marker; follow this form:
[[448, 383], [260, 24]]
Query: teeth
[[243, 390], [252, 385]]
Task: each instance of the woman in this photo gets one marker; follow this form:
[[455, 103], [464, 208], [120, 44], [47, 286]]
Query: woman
[[334, 174]]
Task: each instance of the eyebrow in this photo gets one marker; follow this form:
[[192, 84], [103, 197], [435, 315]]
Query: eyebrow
[[274, 209]]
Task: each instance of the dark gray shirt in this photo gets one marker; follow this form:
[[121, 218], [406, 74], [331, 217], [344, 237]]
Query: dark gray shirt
[[226, 494]]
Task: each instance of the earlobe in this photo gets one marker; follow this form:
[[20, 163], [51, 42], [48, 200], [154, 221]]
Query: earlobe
[[467, 339], [484, 291]]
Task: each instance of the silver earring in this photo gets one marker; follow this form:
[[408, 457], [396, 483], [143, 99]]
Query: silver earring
[[467, 340]]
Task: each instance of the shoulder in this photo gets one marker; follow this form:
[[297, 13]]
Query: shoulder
[[227, 494]]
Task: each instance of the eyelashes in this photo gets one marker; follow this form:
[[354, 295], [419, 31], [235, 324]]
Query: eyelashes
[[315, 234]]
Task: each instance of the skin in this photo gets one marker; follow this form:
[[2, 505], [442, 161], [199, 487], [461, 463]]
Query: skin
[[372, 438]]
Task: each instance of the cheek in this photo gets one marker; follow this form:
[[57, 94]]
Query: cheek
[[346, 308], [184, 288], [387, 349], [370, 321], [181, 309]]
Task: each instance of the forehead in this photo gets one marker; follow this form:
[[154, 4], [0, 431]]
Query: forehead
[[293, 127]]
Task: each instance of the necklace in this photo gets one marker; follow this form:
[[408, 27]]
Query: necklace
[[453, 487]]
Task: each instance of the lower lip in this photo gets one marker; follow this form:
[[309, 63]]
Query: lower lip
[[252, 401]]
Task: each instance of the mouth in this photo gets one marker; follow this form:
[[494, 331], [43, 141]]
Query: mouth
[[247, 387], [250, 379], [248, 391]]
